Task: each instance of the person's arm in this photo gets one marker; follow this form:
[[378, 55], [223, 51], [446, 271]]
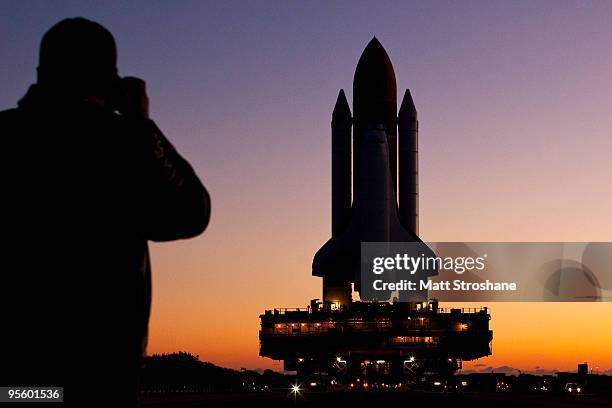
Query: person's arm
[[178, 205]]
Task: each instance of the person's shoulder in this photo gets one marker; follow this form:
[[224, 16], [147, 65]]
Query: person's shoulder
[[9, 117], [9, 113]]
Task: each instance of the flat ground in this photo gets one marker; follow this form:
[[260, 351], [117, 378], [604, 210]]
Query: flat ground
[[375, 399]]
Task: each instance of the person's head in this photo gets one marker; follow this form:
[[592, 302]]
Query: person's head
[[78, 57]]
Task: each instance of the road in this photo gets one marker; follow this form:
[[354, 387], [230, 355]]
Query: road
[[374, 399]]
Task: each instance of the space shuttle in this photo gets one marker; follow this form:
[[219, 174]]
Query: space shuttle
[[375, 184]]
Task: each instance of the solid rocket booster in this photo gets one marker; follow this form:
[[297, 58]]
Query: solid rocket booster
[[408, 135], [335, 287], [341, 164]]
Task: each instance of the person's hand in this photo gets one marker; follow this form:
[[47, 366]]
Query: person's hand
[[135, 100]]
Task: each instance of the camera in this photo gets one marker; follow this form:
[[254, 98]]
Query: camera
[[130, 97]]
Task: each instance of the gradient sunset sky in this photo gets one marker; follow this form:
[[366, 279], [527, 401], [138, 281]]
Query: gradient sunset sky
[[515, 110]]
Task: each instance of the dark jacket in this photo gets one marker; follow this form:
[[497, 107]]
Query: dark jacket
[[83, 190]]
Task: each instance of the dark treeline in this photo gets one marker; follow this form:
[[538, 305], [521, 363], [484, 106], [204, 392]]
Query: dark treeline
[[184, 372]]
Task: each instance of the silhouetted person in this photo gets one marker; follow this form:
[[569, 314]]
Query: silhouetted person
[[86, 181]]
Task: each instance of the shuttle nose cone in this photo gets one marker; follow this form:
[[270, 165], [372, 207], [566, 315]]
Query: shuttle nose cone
[[374, 86]]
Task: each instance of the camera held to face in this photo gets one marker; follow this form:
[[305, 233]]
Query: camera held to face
[[131, 97]]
